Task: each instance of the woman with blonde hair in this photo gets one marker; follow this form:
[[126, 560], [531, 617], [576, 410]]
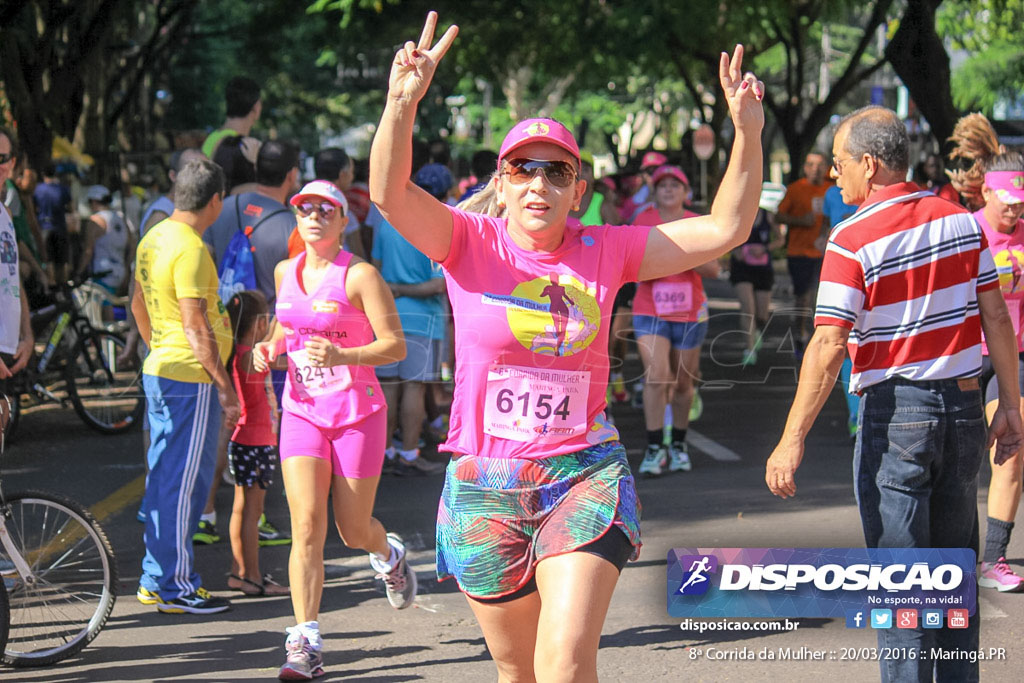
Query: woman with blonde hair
[[996, 180], [539, 512]]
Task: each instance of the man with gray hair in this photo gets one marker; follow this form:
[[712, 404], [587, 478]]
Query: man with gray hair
[[183, 321], [163, 206], [908, 285]]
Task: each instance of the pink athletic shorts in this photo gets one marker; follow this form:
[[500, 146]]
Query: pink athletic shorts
[[356, 451]]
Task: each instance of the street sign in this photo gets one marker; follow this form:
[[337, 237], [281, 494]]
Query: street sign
[[704, 142]]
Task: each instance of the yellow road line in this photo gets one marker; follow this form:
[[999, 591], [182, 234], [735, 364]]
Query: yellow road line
[[118, 500]]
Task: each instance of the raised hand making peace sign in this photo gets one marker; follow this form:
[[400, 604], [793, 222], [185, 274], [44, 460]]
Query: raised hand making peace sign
[[742, 92], [414, 64]]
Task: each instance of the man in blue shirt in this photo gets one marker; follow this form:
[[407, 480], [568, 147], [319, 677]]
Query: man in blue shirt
[[53, 203], [418, 287]]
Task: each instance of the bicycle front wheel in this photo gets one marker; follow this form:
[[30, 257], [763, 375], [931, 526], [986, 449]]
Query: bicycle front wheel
[[10, 415], [63, 603], [105, 384], [5, 616]]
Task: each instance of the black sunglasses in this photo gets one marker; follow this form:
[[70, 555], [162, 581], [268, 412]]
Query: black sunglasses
[[4, 158]]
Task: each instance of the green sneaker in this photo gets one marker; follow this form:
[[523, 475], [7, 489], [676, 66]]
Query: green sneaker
[[697, 407], [206, 535], [269, 534]]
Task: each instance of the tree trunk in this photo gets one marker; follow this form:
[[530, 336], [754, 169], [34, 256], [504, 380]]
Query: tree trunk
[[920, 60]]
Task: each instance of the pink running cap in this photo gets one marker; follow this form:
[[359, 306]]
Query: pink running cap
[[654, 159], [1008, 185], [322, 189], [539, 130], [669, 172]]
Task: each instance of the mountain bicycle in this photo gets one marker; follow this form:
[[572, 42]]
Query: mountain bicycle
[[58, 574], [81, 364]]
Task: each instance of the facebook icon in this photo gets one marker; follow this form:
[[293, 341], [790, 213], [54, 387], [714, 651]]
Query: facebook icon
[[855, 618]]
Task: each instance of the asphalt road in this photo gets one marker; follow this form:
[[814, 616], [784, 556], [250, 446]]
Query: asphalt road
[[723, 502]]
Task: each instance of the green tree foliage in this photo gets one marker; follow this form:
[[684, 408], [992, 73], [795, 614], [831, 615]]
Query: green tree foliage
[[990, 32]]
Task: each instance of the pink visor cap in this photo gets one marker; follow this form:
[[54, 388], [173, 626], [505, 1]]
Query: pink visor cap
[[1008, 185], [539, 130], [654, 159], [322, 189], [669, 172]]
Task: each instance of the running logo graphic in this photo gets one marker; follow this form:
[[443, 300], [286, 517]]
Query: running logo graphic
[[536, 128], [555, 315], [696, 579]]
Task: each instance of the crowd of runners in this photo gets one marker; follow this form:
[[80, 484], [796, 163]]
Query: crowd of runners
[[303, 328]]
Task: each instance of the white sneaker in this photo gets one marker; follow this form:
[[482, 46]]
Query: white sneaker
[[679, 459], [399, 581], [654, 460]]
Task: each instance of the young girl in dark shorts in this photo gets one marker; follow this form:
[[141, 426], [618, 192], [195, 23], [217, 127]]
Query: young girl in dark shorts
[[252, 451]]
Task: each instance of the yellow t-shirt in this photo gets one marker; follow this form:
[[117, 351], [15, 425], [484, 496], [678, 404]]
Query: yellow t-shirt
[[173, 263]]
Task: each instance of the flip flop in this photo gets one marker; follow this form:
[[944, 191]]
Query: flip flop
[[271, 587], [259, 589]]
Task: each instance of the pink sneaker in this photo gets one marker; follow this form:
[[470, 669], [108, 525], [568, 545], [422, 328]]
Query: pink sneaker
[[998, 575]]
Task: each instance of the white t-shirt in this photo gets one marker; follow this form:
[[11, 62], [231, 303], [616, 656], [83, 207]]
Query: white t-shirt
[[108, 255], [10, 285]]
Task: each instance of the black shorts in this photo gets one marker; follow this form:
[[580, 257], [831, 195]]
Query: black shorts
[[252, 465], [804, 271], [58, 248], [613, 546], [989, 384], [761, 277], [624, 298]]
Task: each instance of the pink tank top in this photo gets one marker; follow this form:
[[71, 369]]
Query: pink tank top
[[676, 298], [327, 397], [1008, 253], [531, 336]]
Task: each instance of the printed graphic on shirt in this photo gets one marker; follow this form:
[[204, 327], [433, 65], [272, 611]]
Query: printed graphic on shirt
[[9, 254], [554, 316], [325, 306], [1010, 265]]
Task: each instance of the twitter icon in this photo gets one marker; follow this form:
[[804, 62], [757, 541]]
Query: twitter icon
[[881, 618]]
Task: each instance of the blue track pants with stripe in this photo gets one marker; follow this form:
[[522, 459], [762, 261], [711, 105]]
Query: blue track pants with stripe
[[184, 418]]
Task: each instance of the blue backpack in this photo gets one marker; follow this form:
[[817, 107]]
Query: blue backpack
[[237, 271]]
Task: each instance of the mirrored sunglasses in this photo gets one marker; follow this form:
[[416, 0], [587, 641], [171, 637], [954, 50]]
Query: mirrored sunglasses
[[522, 171], [324, 209]]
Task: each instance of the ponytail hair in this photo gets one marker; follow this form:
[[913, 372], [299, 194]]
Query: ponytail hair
[[244, 309], [977, 143]]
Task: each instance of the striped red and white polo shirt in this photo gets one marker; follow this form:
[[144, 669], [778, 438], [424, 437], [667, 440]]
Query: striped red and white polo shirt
[[903, 274]]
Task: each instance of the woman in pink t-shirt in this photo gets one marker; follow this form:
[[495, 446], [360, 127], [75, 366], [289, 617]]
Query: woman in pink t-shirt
[[336, 319], [539, 510], [1000, 221], [670, 319]]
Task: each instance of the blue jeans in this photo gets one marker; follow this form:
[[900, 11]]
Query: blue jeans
[[915, 468]]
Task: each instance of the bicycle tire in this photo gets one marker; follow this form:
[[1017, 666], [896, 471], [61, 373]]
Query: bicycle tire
[[5, 615], [75, 577], [107, 398], [14, 419]]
